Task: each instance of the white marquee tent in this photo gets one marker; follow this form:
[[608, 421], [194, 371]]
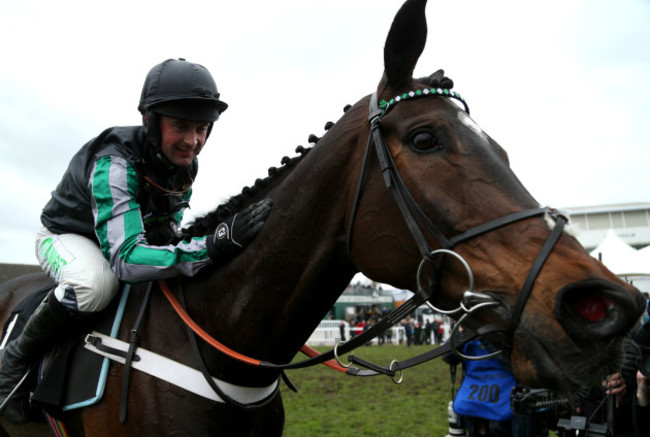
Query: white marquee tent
[[621, 258]]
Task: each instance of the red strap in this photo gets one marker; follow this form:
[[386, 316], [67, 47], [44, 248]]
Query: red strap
[[200, 332], [307, 350], [332, 364]]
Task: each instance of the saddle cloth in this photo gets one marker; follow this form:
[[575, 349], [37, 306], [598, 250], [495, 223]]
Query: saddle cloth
[[71, 376]]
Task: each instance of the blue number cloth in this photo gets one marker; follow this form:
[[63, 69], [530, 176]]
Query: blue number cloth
[[485, 390]]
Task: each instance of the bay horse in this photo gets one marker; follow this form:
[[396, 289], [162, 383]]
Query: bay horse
[[403, 173]]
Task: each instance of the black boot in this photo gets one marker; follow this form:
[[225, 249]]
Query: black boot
[[49, 323]]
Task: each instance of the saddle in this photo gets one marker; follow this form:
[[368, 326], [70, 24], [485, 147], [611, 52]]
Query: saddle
[[74, 374], [69, 376]]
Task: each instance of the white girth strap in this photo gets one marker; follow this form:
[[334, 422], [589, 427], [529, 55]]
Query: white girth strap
[[181, 375]]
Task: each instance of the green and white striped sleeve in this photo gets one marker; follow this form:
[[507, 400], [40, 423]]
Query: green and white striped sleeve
[[119, 227]]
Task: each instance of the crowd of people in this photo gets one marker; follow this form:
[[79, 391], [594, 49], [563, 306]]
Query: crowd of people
[[429, 332], [409, 331]]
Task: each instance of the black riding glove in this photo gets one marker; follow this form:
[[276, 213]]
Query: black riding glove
[[237, 231]]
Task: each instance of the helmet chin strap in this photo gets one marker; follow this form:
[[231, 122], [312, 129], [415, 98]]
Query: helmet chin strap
[[162, 158], [151, 123], [157, 165]]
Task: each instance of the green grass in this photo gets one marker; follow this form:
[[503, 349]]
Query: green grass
[[330, 403]]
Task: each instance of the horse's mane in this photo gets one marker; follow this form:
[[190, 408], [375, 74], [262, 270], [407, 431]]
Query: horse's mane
[[207, 223]]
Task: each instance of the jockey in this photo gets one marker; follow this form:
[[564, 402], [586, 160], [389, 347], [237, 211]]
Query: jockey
[[114, 215]]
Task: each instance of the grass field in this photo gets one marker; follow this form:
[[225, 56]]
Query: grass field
[[329, 403]]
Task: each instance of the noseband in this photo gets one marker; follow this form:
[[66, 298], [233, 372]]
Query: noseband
[[414, 215]]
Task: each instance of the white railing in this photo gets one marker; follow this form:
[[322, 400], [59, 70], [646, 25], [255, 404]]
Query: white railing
[[328, 333]]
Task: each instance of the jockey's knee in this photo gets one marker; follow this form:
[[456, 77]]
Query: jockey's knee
[[86, 290]]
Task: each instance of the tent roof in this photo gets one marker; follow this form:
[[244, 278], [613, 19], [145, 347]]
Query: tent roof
[[620, 257]]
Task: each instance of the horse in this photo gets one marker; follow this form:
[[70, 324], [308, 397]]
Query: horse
[[406, 188]]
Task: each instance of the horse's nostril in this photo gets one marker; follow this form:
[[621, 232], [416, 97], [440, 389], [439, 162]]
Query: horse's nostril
[[591, 307]]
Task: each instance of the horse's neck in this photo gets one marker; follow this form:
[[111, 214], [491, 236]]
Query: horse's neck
[[284, 283]]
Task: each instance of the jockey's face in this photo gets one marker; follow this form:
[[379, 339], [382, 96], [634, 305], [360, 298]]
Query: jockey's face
[[182, 140]]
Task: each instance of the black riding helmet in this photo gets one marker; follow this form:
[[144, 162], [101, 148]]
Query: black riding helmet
[[180, 89]]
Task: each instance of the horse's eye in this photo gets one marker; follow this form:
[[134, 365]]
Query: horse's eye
[[424, 141]]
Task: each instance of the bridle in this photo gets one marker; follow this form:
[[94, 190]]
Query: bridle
[[414, 216]]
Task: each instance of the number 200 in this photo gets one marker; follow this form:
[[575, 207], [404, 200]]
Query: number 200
[[483, 393]]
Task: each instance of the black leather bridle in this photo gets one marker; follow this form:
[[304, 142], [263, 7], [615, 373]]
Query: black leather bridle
[[414, 215]]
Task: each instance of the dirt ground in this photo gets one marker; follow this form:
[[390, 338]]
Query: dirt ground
[[8, 271]]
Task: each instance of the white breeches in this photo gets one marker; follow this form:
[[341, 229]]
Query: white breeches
[[85, 282]]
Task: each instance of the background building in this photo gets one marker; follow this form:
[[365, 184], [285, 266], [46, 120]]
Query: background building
[[630, 221], [617, 235], [363, 301]]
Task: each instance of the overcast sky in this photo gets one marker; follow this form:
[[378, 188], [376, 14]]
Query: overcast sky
[[562, 85]]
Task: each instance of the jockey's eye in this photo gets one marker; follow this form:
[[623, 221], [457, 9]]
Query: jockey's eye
[[424, 141]]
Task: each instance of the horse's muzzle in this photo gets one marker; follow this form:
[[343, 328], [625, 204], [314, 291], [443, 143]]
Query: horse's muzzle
[[596, 309]]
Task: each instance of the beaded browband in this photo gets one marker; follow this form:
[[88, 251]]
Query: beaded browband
[[386, 106]]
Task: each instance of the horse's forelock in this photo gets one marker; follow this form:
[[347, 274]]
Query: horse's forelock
[[437, 80]]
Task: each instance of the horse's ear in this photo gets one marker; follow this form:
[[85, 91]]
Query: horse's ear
[[405, 42]]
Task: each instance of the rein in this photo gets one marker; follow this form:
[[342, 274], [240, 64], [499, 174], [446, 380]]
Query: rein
[[330, 359]]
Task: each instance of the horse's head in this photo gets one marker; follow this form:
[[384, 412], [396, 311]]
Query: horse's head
[[454, 186]]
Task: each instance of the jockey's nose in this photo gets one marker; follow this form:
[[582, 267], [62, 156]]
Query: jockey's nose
[[597, 308], [192, 138]]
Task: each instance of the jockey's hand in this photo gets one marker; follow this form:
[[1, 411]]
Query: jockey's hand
[[236, 232]]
